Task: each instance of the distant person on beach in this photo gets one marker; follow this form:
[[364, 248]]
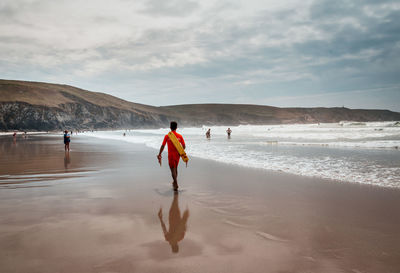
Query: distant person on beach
[[208, 133], [67, 140], [173, 154], [177, 224], [229, 131]]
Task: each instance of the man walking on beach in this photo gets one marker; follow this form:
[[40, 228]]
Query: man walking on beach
[[173, 139]]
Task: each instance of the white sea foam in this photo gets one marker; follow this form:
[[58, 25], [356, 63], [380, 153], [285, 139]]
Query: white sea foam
[[351, 152]]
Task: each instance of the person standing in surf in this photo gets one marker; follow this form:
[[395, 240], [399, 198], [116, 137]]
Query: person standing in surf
[[208, 133], [229, 131], [176, 146]]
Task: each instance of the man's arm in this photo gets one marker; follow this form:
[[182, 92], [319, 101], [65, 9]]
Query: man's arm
[[161, 150], [159, 155]]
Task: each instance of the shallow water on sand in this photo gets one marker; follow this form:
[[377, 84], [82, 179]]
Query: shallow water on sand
[[99, 211]]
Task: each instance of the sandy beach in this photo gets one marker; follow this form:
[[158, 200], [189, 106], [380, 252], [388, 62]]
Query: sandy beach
[[98, 210]]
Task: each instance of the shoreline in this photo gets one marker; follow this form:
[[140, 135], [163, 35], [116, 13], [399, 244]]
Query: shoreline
[[268, 171]]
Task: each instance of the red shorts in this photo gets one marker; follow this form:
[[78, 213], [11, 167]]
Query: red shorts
[[173, 161]]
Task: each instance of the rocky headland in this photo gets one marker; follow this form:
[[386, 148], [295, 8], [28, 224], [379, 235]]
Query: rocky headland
[[44, 106]]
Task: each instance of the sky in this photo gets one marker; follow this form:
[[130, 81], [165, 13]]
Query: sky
[[287, 53]]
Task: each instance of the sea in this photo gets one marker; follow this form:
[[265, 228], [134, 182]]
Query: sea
[[350, 152]]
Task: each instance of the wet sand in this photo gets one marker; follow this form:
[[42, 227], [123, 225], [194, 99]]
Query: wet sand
[[98, 210]]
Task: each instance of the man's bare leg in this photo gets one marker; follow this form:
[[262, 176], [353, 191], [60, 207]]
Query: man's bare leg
[[174, 173]]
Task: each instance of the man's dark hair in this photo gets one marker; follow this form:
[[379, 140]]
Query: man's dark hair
[[173, 125]]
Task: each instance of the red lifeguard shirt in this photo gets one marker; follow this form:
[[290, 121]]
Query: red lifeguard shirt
[[172, 152]]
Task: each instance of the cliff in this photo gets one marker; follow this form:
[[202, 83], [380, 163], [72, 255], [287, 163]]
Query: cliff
[[43, 106]]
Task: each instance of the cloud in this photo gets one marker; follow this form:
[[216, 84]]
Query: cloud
[[203, 51], [170, 8]]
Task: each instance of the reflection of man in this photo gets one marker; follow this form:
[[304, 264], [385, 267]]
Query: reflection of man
[[67, 160], [177, 224]]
